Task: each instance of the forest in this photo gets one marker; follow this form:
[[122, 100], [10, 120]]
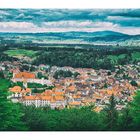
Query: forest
[[90, 57], [86, 58]]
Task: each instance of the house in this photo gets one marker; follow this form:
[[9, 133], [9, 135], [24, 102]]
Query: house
[[71, 89], [47, 98], [18, 77], [76, 97], [74, 104], [98, 109], [18, 92], [30, 78], [88, 101]]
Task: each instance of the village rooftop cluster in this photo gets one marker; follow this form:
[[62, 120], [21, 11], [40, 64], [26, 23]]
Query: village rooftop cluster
[[38, 86]]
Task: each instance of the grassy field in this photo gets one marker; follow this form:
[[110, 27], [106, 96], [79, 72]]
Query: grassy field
[[21, 52], [135, 56], [114, 58]]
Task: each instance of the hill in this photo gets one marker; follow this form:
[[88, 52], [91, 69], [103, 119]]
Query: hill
[[100, 37]]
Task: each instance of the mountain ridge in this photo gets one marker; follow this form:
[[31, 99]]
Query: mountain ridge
[[105, 32]]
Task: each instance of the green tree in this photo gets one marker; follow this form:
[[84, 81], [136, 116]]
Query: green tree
[[75, 119], [75, 74], [62, 73], [35, 118], [109, 73], [125, 119], [134, 83], [111, 114], [105, 85], [1, 74], [39, 75], [135, 111], [10, 113], [25, 68]]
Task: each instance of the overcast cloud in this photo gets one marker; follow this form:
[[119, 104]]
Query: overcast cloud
[[62, 20]]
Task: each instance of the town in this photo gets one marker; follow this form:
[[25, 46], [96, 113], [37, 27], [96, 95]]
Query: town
[[67, 87]]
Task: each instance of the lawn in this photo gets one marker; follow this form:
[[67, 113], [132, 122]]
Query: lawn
[[21, 52], [136, 55], [114, 58]]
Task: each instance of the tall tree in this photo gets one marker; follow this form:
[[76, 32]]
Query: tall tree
[[10, 113], [125, 119], [111, 114], [35, 118], [135, 111], [1, 74]]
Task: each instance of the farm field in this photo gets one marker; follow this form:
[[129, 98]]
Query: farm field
[[21, 52]]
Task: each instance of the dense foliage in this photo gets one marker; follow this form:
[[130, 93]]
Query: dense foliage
[[64, 74], [5, 57], [85, 58], [10, 113]]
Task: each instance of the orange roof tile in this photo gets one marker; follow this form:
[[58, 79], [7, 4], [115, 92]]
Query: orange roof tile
[[71, 88], [47, 92], [76, 96], [28, 90], [23, 91], [97, 96], [47, 95], [15, 89], [59, 93], [89, 100], [26, 75], [75, 103], [58, 98], [29, 97], [52, 100], [46, 98], [98, 109]]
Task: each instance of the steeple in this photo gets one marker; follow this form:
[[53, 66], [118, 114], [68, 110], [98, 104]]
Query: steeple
[[25, 83]]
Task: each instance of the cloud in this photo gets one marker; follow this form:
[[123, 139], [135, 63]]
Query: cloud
[[125, 21], [2, 12], [122, 18], [63, 20], [77, 24], [128, 30], [58, 26], [65, 26], [126, 13], [16, 26], [20, 15]]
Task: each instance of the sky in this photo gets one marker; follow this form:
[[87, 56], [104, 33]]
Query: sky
[[126, 21]]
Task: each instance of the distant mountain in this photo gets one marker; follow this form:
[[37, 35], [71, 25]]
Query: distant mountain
[[101, 33], [100, 36], [73, 33]]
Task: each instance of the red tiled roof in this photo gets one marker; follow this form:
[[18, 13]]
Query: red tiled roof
[[26, 75]]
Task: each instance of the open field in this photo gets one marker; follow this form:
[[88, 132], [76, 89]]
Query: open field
[[136, 55], [21, 52], [115, 58]]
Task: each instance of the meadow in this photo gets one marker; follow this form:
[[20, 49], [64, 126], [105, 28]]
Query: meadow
[[20, 52]]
